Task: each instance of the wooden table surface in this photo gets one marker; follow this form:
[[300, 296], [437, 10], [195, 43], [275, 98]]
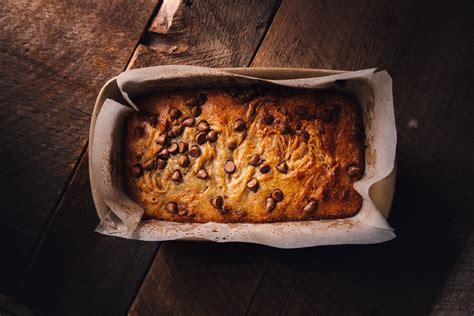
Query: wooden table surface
[[57, 54]]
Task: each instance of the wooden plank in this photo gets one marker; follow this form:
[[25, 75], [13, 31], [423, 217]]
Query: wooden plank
[[201, 279], [84, 280], [278, 280], [79, 271], [346, 35], [457, 296], [431, 67], [55, 57], [207, 33]]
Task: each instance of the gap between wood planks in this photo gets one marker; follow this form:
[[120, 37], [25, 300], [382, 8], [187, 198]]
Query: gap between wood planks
[[84, 150], [75, 169]]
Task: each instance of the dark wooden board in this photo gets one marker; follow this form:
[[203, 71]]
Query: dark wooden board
[[209, 33], [55, 57], [202, 279], [458, 292], [432, 69], [79, 271], [71, 275], [345, 35]]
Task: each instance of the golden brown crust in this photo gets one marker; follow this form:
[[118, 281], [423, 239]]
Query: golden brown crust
[[306, 144]]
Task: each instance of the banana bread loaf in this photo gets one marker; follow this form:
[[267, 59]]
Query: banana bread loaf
[[245, 155]]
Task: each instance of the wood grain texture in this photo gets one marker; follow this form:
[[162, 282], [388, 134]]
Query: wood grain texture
[[346, 35], [55, 57], [80, 272], [430, 64], [208, 33], [457, 295], [432, 69], [201, 279], [88, 247]]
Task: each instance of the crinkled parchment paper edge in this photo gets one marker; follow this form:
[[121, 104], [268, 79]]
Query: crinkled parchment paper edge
[[123, 219]]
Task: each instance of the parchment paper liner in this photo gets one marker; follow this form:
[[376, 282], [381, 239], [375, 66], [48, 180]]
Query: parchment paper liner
[[123, 216]]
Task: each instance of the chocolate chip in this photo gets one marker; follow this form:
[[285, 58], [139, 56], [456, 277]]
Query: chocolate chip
[[161, 139], [202, 174], [268, 119], [302, 110], [265, 169], [201, 138], [172, 208], [195, 151], [137, 171], [305, 136], [149, 165], [173, 148], [161, 164], [229, 166], [177, 130], [270, 204], [311, 207], [175, 113], [217, 202], [282, 167], [153, 121], [203, 126], [284, 128], [353, 171], [189, 122], [240, 126], [164, 154], [182, 147], [177, 176], [212, 136], [202, 98], [255, 161], [232, 145], [277, 195], [252, 185], [170, 134], [183, 161], [139, 131], [183, 213], [192, 102], [196, 111]]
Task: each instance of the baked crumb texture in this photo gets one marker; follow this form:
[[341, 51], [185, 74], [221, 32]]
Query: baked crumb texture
[[245, 155]]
